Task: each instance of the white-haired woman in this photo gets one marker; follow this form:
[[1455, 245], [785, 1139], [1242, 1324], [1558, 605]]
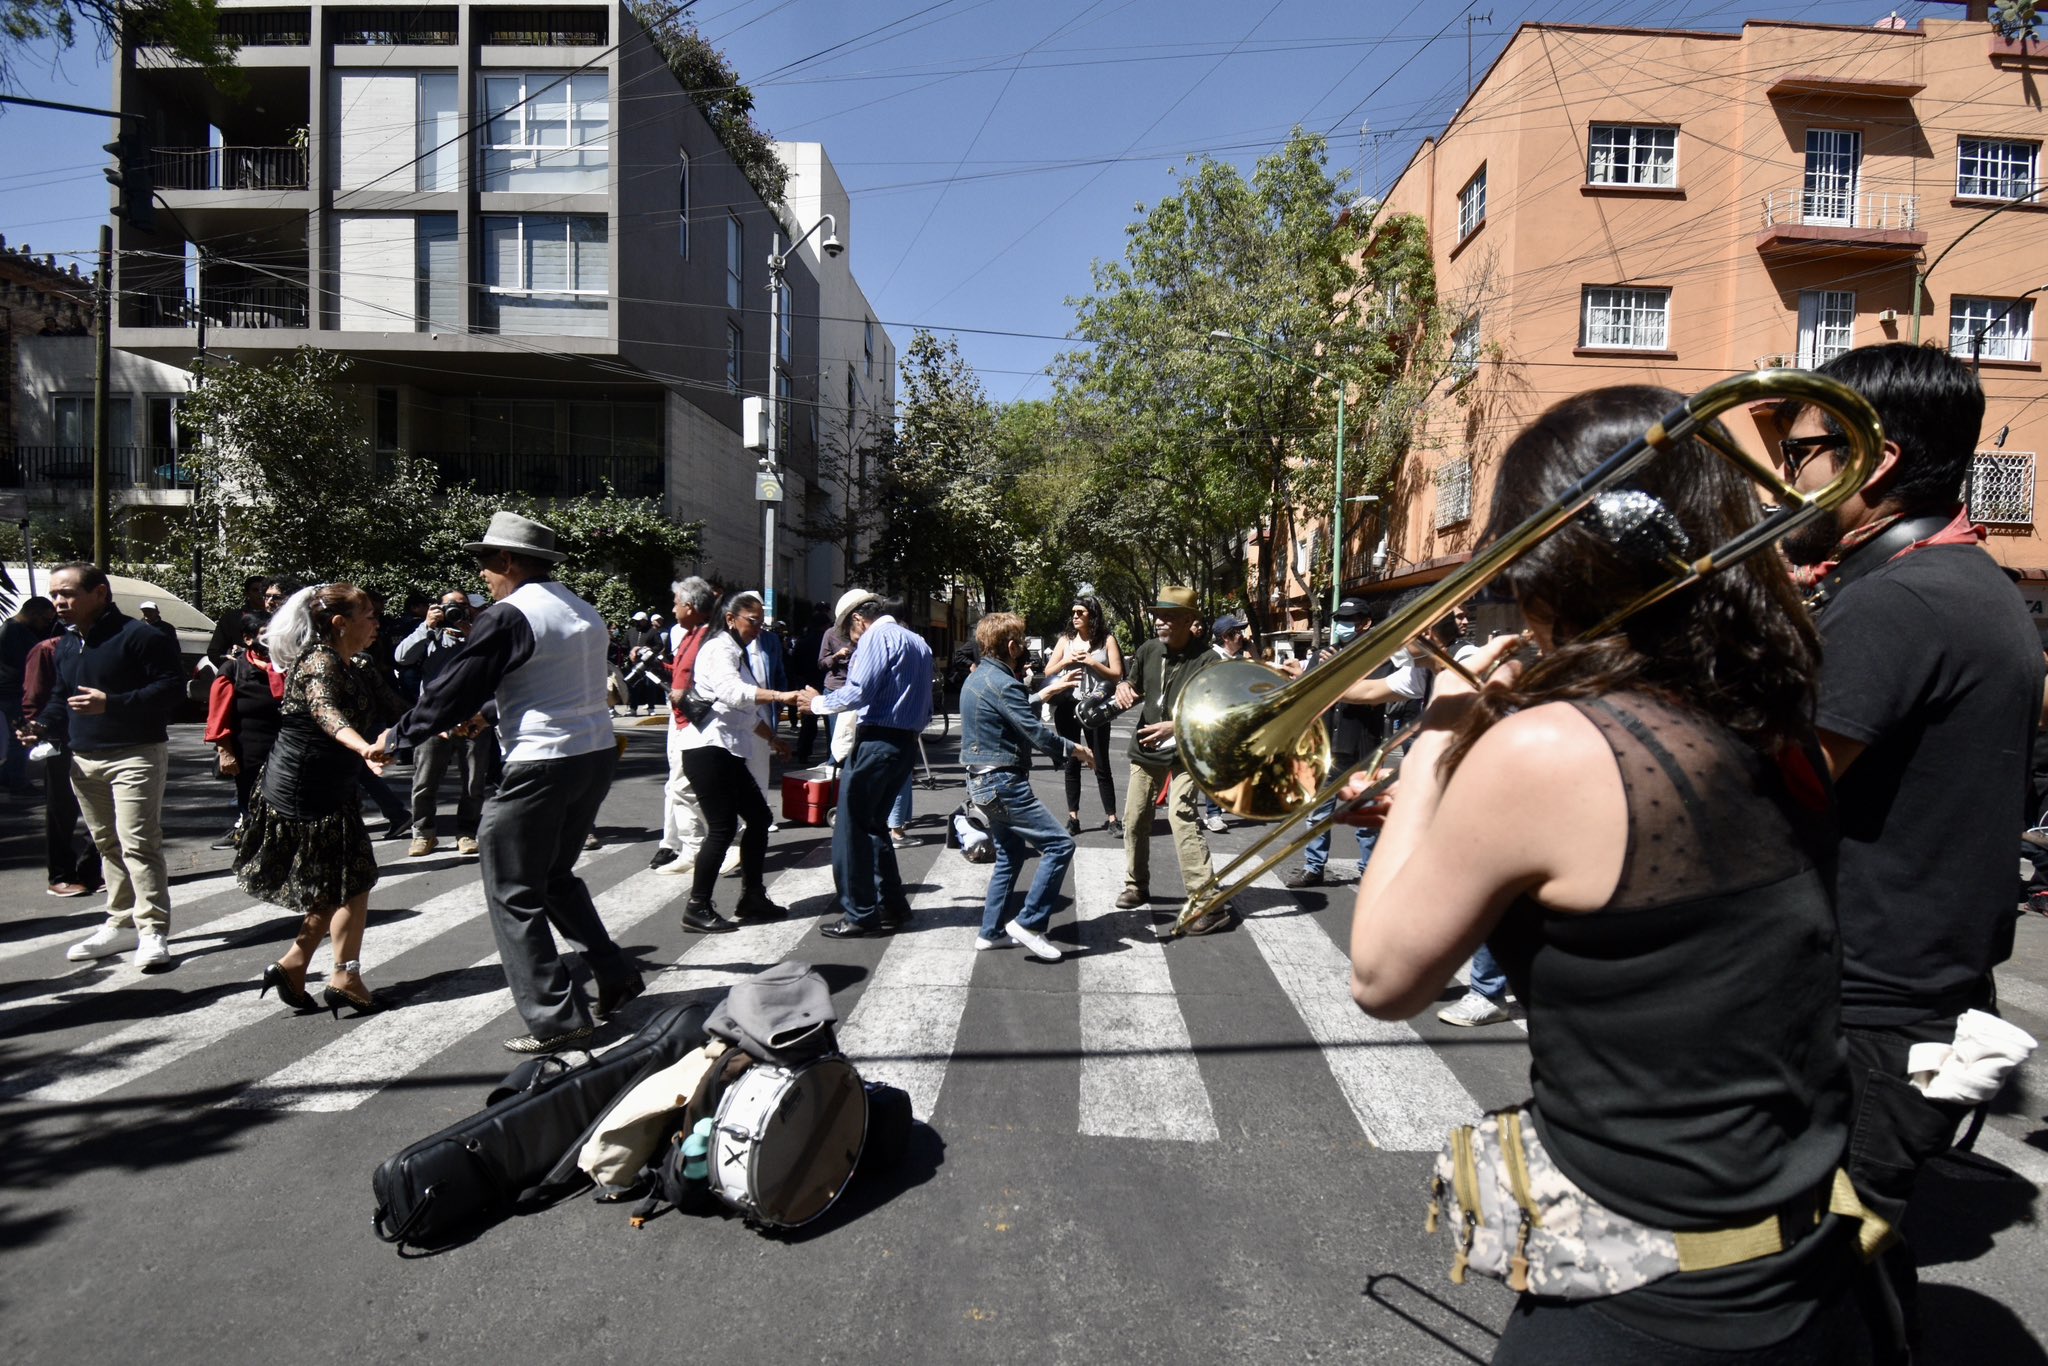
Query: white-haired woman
[[303, 845]]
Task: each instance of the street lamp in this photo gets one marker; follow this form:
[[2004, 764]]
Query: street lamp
[[778, 259], [1977, 337], [1337, 498], [1920, 277]]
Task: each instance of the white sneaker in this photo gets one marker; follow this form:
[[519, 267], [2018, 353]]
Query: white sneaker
[[1037, 944], [152, 950], [982, 943], [677, 866], [731, 866], [1472, 1009], [106, 941], [1214, 824]]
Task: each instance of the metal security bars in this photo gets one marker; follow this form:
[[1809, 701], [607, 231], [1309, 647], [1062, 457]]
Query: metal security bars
[[2001, 491]]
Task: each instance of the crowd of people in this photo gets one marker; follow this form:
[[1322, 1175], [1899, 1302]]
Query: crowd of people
[[1737, 858]]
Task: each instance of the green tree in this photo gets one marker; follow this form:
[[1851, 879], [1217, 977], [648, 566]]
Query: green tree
[[714, 86], [944, 489], [1197, 443], [190, 29], [284, 482]]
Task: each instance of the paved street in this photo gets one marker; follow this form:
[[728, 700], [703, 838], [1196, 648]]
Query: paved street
[[1199, 1152]]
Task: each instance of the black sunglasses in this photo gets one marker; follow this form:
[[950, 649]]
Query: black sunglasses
[[1797, 450]]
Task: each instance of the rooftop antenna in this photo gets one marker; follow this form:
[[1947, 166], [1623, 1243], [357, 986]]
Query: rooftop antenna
[[1470, 20]]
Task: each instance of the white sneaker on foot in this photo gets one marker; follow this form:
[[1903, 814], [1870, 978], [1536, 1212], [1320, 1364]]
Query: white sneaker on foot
[[1472, 1009], [982, 943], [106, 941], [152, 950], [731, 866], [677, 866], [1037, 944], [1214, 824]]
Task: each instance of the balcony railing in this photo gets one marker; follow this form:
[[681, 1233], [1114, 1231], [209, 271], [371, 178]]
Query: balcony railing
[[551, 476], [391, 27], [266, 28], [70, 467], [273, 305], [230, 168], [544, 28], [1884, 211]]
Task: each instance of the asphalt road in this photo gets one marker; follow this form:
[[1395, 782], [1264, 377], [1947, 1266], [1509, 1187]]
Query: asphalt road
[[1195, 1153]]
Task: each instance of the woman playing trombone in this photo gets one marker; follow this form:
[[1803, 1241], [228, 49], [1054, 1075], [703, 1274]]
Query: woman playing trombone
[[1630, 824]]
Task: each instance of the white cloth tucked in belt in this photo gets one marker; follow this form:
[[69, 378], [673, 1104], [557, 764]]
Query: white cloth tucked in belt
[[1971, 1069]]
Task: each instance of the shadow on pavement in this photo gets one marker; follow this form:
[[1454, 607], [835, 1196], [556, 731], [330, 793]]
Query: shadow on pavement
[[1431, 1316], [1963, 1327], [1961, 1202]]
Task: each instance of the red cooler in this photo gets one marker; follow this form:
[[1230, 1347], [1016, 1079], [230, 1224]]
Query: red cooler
[[808, 797]]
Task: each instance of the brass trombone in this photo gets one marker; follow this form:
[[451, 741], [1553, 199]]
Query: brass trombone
[[1254, 740]]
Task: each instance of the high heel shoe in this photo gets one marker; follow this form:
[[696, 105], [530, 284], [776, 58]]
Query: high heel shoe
[[298, 998], [334, 998]]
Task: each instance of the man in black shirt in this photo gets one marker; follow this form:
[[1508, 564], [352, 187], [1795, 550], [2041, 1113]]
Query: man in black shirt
[[117, 684], [19, 634], [1930, 691]]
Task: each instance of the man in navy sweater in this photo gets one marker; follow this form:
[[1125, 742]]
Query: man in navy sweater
[[118, 681]]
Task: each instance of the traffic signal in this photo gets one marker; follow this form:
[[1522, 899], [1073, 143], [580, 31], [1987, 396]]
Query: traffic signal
[[135, 177]]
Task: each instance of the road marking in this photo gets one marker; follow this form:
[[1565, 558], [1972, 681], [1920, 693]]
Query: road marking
[[381, 1049], [1139, 1077], [1404, 1096], [2023, 1158], [114, 1060], [903, 1027]]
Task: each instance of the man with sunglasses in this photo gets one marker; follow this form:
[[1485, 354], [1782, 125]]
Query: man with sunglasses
[[1929, 693]]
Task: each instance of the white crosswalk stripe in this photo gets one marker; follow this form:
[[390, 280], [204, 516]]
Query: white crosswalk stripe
[[903, 1027], [146, 1046], [1139, 1078]]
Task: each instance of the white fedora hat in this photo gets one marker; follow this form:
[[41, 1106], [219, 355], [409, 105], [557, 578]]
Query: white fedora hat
[[521, 535], [850, 599]]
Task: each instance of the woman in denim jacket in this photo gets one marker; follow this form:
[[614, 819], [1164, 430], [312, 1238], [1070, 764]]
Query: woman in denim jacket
[[999, 725]]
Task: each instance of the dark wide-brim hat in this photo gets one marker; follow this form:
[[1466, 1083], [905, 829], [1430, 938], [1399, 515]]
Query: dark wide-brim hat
[[520, 535]]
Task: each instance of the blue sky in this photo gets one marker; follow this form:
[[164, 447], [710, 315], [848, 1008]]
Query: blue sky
[[993, 148]]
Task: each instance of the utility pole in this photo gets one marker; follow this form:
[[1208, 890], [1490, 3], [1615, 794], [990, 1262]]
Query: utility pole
[[101, 427]]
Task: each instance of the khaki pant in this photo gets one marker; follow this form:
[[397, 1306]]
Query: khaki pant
[[1145, 783], [121, 792], [682, 817]]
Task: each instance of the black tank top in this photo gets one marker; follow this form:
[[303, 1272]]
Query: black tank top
[[1686, 1056]]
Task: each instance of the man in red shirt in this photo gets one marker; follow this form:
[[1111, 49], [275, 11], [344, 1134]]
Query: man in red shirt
[[682, 819]]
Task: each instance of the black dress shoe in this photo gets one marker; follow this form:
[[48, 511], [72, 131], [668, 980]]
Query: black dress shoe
[[609, 1001], [701, 919], [893, 921], [852, 929], [661, 857]]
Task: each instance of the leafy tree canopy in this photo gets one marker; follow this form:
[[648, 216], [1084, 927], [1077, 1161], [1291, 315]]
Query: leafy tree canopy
[[189, 28], [716, 89]]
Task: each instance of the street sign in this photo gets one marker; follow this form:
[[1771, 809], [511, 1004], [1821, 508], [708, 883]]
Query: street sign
[[767, 487]]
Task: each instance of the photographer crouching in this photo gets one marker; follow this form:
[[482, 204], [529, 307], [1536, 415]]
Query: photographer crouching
[[474, 752]]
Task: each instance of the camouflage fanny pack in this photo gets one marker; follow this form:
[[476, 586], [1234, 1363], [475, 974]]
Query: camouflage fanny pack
[[1519, 1219]]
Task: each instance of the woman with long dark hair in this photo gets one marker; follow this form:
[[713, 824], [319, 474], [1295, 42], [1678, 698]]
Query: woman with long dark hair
[[715, 749], [1090, 655], [1633, 825], [303, 845], [248, 725]]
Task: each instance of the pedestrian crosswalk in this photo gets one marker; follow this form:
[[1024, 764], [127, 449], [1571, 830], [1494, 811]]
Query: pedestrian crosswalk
[[1145, 1016]]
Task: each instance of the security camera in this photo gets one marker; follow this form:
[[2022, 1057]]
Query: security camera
[[834, 248]]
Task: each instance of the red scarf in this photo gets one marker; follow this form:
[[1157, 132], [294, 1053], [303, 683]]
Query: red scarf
[[1960, 531]]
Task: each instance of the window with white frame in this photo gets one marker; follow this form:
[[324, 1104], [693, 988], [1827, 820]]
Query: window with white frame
[[546, 131], [735, 349], [1991, 329], [440, 133], [683, 199], [1624, 319], [545, 273], [1465, 347], [1827, 325], [1472, 204], [1991, 168], [2002, 488], [1453, 493], [735, 260], [1631, 154]]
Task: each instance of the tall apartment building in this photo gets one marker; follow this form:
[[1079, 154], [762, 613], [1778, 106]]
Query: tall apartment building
[[1644, 206], [546, 269]]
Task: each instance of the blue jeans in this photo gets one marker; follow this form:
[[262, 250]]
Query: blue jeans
[[863, 859], [1018, 823], [899, 810], [1487, 978], [1317, 852]]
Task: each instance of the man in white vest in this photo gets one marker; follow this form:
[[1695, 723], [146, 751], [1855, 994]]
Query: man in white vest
[[539, 651]]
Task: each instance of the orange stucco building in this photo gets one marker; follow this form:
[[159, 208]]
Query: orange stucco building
[[1636, 205]]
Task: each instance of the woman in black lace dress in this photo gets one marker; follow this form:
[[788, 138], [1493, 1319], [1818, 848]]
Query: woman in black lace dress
[[303, 845], [1634, 825]]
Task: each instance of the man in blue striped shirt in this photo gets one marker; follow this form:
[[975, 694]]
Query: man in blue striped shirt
[[889, 688]]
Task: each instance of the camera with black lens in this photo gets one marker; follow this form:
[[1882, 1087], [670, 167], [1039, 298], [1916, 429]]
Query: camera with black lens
[[454, 613]]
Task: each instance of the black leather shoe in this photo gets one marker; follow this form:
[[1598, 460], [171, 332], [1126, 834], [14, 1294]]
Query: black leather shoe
[[1307, 877], [702, 919], [661, 857], [852, 929], [609, 1002], [893, 921], [755, 905]]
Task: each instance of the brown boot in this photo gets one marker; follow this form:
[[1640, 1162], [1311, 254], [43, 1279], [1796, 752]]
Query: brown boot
[[1132, 897]]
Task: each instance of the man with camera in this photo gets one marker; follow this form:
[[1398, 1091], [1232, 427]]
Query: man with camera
[[471, 747]]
